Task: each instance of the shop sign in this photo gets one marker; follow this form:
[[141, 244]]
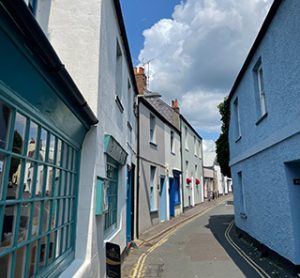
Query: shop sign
[[113, 260], [114, 149]]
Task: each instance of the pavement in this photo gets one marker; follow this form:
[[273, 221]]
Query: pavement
[[154, 235]]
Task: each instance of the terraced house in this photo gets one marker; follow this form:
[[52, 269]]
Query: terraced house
[[53, 219], [264, 134]]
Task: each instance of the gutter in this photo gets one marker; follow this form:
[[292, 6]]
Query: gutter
[[39, 44]]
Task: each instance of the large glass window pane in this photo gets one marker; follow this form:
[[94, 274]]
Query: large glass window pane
[[60, 216], [20, 262], [40, 180], [36, 218], [32, 140], [5, 265], [4, 125], [74, 160], [51, 149], [43, 252], [46, 216], [2, 167], [24, 222], [32, 258], [51, 247], [70, 162], [14, 178], [65, 156], [8, 227], [63, 183], [58, 242], [49, 181], [19, 134], [29, 178], [58, 152], [43, 145], [53, 214]]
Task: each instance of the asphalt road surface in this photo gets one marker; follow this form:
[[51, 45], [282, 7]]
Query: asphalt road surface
[[198, 249]]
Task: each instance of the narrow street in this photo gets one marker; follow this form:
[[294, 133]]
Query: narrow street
[[199, 248]]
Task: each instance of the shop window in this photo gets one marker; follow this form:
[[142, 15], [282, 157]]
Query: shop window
[[112, 194], [37, 194]]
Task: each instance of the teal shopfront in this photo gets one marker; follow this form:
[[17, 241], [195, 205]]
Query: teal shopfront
[[42, 127]]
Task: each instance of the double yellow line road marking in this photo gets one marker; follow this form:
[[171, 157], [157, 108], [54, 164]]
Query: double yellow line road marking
[[138, 270], [255, 266]]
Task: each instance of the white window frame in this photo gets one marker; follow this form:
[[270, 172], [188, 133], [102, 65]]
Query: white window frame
[[261, 90], [237, 119]]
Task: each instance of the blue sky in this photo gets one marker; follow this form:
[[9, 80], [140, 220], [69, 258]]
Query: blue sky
[[196, 48], [140, 15]]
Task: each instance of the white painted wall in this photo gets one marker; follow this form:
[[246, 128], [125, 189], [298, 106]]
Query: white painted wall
[[85, 34]]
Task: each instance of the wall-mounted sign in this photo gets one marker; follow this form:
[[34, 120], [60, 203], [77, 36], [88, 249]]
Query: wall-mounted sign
[[101, 196], [114, 149], [113, 260], [296, 181]]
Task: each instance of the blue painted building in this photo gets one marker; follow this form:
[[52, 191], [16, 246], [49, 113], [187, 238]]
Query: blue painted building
[[264, 134]]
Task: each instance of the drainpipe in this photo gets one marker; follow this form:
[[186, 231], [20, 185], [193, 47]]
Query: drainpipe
[[181, 153], [138, 168]]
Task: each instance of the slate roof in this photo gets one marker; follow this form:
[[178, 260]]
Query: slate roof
[[165, 110]]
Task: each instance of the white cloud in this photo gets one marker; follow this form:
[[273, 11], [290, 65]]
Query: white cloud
[[199, 51]]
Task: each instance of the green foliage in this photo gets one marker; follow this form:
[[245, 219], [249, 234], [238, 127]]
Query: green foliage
[[222, 144]]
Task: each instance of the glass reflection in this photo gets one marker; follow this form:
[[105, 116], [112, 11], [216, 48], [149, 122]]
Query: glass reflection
[[43, 252], [54, 212], [58, 152], [32, 140], [19, 134], [36, 219], [32, 258], [8, 227], [43, 145], [51, 149], [65, 155], [5, 265], [20, 262], [24, 222], [2, 166], [51, 247], [4, 125], [40, 180], [46, 216], [29, 179], [49, 181], [14, 178]]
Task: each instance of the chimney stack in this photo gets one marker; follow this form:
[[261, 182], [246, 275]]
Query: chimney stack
[[175, 105], [140, 79]]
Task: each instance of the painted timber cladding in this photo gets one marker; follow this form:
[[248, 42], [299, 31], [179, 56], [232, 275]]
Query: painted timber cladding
[[268, 151], [85, 35]]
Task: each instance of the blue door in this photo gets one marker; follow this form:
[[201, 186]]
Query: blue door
[[163, 200], [129, 209], [172, 197]]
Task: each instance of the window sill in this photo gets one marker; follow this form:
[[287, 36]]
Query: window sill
[[153, 144], [238, 139], [243, 215], [119, 104], [261, 118]]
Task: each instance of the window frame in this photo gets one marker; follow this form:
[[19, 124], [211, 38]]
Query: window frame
[[238, 133], [152, 183], [67, 203], [152, 129]]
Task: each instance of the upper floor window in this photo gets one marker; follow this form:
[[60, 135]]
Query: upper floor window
[[118, 77], [237, 119], [260, 88], [172, 142], [152, 129], [186, 138], [195, 146], [199, 149]]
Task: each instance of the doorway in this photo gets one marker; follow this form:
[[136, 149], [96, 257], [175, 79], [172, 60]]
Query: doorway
[[130, 203], [163, 199]]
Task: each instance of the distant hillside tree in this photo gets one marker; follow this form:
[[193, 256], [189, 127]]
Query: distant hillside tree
[[222, 145]]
